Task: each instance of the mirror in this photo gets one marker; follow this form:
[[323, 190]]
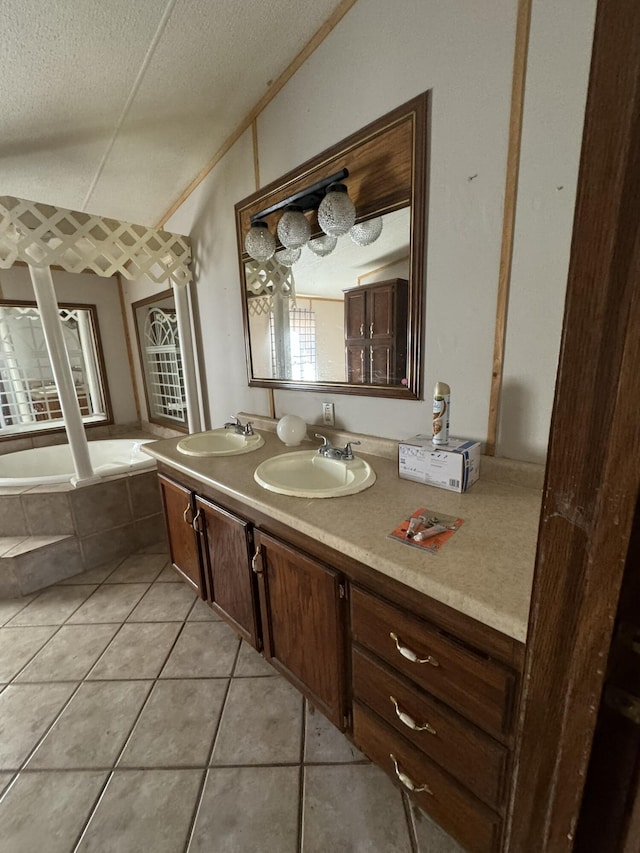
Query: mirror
[[348, 322]]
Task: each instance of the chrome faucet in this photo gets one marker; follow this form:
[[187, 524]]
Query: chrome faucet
[[235, 424], [330, 452]]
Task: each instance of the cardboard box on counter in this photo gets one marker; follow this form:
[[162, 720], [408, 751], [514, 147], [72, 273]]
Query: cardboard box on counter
[[453, 466]]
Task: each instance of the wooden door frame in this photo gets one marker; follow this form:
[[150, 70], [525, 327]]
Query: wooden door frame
[[593, 465]]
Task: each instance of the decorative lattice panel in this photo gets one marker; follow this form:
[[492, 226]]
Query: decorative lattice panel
[[264, 278], [43, 235]]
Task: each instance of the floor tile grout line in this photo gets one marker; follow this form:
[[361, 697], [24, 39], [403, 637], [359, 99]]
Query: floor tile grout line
[[301, 773], [126, 741], [67, 617], [35, 654], [92, 810], [208, 768], [146, 701], [40, 741], [4, 624], [408, 813]]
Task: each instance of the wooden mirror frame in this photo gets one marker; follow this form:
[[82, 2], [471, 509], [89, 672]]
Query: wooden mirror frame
[[387, 162]]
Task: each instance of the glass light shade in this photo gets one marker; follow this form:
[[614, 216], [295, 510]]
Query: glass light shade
[[288, 257], [260, 244], [291, 430], [323, 246], [293, 228], [336, 212], [365, 233]]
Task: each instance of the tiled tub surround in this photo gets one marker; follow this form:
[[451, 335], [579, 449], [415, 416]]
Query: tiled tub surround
[[131, 719], [48, 533], [485, 571]]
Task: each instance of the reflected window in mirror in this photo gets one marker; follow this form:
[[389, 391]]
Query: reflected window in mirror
[[161, 360], [302, 326], [29, 400]]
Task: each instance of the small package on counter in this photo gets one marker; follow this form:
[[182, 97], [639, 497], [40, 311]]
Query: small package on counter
[[454, 466]]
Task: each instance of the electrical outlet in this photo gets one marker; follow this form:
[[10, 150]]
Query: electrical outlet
[[328, 414]]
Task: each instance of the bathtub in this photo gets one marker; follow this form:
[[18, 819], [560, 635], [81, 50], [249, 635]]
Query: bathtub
[[45, 465]]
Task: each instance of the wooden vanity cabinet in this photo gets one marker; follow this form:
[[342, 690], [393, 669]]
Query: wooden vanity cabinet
[[179, 512], [375, 330], [302, 603], [425, 692]]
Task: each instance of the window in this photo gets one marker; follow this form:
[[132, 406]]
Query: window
[[159, 348], [301, 355], [29, 399]]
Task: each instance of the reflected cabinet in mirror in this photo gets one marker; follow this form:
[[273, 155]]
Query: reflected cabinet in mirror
[[332, 297]]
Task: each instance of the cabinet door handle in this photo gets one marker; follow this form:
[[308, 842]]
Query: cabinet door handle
[[185, 513], [409, 722], [371, 329], [361, 330], [196, 522], [411, 655], [254, 560], [408, 783]]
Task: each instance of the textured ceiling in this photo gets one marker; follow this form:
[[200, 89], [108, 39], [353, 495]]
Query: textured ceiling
[[114, 106]]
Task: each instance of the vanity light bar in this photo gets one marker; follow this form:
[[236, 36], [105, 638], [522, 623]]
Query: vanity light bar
[[306, 199]]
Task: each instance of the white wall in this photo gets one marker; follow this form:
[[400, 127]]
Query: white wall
[[379, 56], [15, 283]]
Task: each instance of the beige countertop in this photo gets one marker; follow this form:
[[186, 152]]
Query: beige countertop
[[485, 570]]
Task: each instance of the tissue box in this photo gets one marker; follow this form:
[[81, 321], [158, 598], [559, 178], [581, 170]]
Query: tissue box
[[453, 466]]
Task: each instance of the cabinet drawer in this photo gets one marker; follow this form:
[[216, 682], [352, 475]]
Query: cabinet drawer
[[478, 687], [476, 760], [458, 812]]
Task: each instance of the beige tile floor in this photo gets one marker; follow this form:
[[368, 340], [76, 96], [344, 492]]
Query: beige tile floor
[[131, 719]]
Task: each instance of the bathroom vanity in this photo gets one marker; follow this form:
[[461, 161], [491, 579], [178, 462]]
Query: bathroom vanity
[[417, 657]]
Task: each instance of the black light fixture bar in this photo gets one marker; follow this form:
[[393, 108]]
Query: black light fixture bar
[[306, 199]]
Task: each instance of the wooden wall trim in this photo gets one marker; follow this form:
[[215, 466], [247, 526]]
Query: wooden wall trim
[[521, 52], [127, 338], [593, 469], [314, 42]]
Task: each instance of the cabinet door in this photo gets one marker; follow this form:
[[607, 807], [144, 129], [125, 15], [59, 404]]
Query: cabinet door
[[381, 363], [357, 367], [380, 311], [227, 552], [302, 622], [179, 513], [355, 320]]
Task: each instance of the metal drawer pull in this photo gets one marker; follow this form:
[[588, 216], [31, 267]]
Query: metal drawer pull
[[409, 722], [406, 781], [254, 561], [184, 515], [410, 655], [195, 523]]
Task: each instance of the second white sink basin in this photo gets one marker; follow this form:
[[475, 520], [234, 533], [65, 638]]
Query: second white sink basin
[[219, 442], [306, 474]]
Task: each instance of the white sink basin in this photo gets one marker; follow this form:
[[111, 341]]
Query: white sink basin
[[306, 474], [219, 442]]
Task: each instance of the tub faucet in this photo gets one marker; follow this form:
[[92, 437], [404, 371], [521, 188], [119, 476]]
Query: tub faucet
[[330, 452], [235, 424]]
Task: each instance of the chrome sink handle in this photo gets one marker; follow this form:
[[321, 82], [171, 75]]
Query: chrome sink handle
[[330, 452], [236, 425]]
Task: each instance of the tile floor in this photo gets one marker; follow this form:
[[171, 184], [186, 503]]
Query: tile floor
[[131, 719]]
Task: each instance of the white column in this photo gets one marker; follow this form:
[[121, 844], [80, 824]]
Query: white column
[[188, 357], [63, 377]]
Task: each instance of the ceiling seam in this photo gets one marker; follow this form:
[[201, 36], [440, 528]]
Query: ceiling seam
[[314, 42], [132, 94]]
